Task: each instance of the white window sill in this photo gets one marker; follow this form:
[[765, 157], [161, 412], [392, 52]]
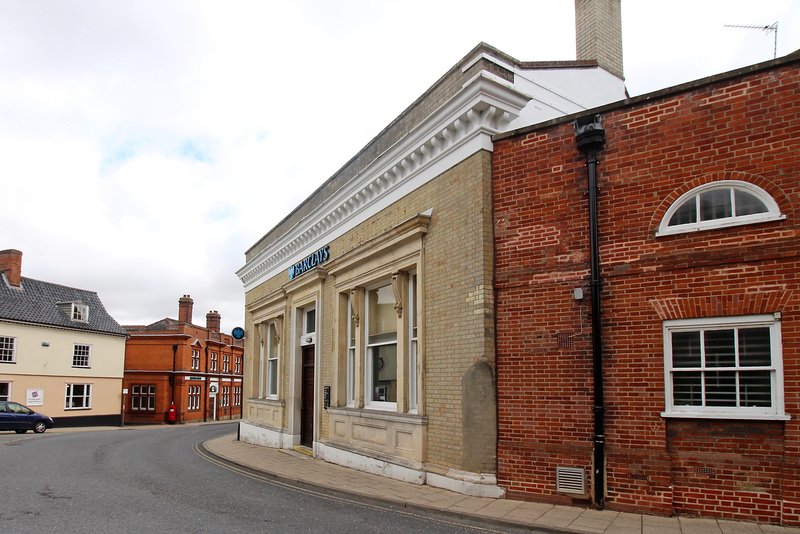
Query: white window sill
[[726, 415]]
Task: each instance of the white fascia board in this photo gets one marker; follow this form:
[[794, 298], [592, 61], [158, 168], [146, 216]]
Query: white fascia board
[[559, 92], [485, 106]]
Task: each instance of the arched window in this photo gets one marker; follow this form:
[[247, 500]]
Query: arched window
[[719, 205]]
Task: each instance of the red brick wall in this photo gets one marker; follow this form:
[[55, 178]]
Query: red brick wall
[[657, 149], [149, 360]]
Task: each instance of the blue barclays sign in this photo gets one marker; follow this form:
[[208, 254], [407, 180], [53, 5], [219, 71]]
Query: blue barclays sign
[[309, 262]]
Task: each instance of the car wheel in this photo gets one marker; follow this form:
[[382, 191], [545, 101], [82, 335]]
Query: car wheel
[[39, 427], [20, 431]]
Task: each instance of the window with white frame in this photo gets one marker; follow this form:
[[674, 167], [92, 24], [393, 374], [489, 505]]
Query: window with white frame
[[194, 398], [237, 395], [80, 312], [411, 314], [143, 397], [78, 397], [8, 349], [237, 365], [350, 364], [225, 396], [5, 391], [213, 362], [195, 359], [717, 205], [724, 367], [271, 352], [226, 363], [381, 346], [81, 355]]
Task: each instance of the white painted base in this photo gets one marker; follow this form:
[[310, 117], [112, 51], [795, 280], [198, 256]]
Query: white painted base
[[367, 464], [266, 437]]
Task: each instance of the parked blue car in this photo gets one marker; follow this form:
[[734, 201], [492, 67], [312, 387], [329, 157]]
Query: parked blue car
[[19, 418]]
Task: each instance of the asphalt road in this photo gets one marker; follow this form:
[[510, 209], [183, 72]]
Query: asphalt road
[[159, 479]]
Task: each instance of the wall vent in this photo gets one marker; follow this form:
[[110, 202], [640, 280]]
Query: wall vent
[[570, 480], [638, 476], [705, 470], [566, 341]]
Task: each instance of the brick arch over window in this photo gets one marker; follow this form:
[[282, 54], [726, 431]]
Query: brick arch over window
[[768, 186], [721, 305]]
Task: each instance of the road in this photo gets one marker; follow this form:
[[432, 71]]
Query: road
[[160, 479]]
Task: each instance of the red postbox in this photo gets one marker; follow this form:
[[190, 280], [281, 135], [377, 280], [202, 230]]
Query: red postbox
[[172, 414]]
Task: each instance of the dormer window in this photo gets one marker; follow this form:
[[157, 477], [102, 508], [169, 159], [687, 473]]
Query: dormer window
[[80, 312], [719, 205]]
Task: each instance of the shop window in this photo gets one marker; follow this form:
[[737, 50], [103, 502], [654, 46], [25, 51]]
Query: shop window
[[269, 349], [719, 205], [724, 367], [381, 363], [382, 344]]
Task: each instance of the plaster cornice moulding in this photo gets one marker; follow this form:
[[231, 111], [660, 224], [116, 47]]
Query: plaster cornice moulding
[[485, 106]]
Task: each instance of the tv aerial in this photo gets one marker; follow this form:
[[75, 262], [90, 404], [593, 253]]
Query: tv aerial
[[766, 29]]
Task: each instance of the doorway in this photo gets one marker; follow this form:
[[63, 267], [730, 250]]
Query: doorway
[[307, 398]]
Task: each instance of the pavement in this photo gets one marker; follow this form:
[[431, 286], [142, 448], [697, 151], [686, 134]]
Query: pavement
[[293, 466]]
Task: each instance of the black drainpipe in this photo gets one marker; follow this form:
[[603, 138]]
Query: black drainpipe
[[590, 138]]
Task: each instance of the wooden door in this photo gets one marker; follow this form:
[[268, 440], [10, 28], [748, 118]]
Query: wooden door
[[307, 401]]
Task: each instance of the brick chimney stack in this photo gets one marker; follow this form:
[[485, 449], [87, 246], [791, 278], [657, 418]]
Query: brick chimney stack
[[11, 267], [598, 33], [185, 304], [213, 319]]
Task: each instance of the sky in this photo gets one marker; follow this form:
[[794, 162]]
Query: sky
[[146, 145]]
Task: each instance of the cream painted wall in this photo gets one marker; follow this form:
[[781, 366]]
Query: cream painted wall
[[49, 368]]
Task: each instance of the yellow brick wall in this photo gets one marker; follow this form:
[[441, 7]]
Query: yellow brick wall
[[458, 296]]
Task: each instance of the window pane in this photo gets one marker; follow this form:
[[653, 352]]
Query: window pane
[[384, 373], [135, 403], [719, 345], [747, 204], [273, 377], [720, 388], [311, 322], [715, 204], [755, 388], [273, 341], [686, 214], [754, 347], [382, 316], [686, 349], [687, 389]]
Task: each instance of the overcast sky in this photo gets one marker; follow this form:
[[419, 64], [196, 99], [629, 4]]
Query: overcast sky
[[146, 145]]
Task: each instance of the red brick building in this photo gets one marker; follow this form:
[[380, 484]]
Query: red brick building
[[656, 368], [196, 369]]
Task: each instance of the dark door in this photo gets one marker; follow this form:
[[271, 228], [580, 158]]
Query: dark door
[[307, 411]]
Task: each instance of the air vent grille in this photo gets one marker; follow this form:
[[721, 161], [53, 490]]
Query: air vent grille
[[570, 480]]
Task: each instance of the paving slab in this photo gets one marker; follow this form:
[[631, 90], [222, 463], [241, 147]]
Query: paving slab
[[294, 466]]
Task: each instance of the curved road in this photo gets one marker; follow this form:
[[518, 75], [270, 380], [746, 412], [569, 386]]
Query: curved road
[[160, 479]]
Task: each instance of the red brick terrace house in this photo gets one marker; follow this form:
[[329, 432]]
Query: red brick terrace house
[[648, 347], [197, 369]]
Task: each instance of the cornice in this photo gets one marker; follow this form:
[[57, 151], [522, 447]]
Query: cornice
[[465, 124]]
